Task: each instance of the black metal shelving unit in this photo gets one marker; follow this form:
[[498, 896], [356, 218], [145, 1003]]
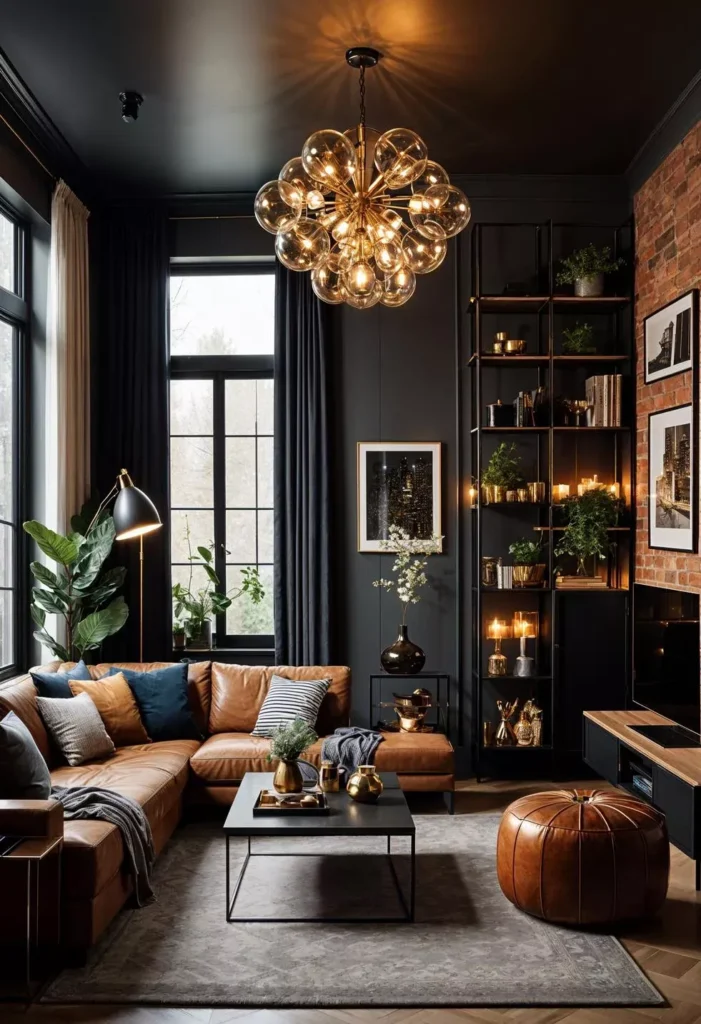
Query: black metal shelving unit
[[582, 649]]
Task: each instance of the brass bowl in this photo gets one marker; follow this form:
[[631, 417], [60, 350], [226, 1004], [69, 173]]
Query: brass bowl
[[411, 721], [422, 697], [515, 347], [529, 575]]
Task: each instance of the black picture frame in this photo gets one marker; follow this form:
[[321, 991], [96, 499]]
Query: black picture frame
[[674, 418], [652, 323]]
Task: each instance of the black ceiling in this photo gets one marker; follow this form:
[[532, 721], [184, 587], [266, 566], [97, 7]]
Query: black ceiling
[[233, 87]]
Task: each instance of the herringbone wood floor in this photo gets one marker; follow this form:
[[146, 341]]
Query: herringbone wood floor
[[668, 949]]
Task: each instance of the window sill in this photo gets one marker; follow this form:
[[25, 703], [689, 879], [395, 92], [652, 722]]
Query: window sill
[[224, 650]]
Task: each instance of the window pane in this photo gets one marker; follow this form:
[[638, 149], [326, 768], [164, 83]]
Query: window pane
[[6, 555], [7, 418], [6, 629], [240, 472], [265, 536], [266, 389], [7, 254], [240, 405], [244, 617], [228, 314], [265, 472], [201, 532], [241, 536], [191, 472], [191, 407]]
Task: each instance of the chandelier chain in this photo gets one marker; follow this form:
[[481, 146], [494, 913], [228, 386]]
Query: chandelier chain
[[362, 96]]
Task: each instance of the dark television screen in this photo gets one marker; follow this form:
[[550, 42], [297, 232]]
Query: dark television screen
[[666, 663]]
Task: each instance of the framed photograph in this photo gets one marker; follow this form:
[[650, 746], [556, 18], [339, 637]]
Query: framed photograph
[[399, 484], [672, 498], [671, 335]]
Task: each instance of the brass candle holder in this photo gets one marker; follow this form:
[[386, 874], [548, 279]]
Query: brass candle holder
[[497, 630]]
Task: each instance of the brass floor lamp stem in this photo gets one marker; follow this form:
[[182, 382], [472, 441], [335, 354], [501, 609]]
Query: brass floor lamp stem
[[141, 598]]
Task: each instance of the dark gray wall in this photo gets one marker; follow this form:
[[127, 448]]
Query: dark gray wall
[[400, 376]]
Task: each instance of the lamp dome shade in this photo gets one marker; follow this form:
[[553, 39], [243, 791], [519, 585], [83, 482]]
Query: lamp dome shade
[[134, 514]]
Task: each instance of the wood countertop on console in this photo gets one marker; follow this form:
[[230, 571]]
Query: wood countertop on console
[[682, 761]]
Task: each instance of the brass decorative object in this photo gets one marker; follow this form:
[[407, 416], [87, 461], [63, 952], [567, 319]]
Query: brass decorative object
[[487, 734], [365, 785], [489, 571], [515, 347], [505, 735], [512, 495], [271, 803], [529, 575], [524, 730], [288, 777], [497, 630], [535, 716], [523, 493], [492, 494], [500, 339], [329, 779], [536, 491]]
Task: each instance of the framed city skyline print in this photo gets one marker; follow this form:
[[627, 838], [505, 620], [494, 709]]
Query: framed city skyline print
[[672, 485], [399, 484], [671, 337]]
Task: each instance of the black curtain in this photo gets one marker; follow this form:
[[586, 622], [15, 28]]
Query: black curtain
[[302, 472], [130, 403]]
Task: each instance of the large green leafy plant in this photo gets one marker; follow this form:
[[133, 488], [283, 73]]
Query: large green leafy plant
[[78, 591], [504, 468], [586, 262], [589, 517]]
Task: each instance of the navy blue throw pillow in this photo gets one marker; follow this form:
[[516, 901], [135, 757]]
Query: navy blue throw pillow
[[55, 684], [163, 704], [23, 771]]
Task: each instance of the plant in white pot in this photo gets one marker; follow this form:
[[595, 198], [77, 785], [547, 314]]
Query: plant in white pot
[[404, 657], [585, 269]]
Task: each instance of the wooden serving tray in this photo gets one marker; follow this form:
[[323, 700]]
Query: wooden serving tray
[[287, 805]]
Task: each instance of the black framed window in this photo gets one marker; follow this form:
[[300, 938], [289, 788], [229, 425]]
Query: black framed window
[[14, 324], [221, 435]]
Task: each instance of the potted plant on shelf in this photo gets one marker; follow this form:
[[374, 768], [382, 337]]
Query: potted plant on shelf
[[589, 517], [287, 745], [578, 340], [529, 569], [503, 473], [198, 606], [585, 269], [404, 657], [178, 636]]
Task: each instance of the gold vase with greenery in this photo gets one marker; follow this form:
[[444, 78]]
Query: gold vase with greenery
[[288, 743]]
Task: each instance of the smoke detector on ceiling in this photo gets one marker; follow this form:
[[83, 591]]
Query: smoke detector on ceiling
[[131, 101]]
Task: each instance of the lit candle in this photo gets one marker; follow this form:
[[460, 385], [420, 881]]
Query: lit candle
[[615, 490], [560, 492]]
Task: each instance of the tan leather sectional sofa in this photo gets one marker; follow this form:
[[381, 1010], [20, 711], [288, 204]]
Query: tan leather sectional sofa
[[225, 700]]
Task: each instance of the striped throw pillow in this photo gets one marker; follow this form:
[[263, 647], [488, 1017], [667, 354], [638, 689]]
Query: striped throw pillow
[[288, 699]]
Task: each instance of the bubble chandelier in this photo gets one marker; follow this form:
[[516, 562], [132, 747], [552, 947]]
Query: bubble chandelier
[[364, 212]]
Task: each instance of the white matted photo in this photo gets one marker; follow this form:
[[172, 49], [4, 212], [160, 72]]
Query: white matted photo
[[399, 484], [672, 479], [670, 338]]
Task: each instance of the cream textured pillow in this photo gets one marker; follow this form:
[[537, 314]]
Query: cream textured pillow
[[76, 727]]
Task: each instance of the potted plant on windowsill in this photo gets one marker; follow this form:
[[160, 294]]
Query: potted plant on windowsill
[[178, 636], [589, 517], [503, 473], [585, 269], [529, 569], [197, 607]]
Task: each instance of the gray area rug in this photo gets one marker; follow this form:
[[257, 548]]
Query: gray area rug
[[468, 947]]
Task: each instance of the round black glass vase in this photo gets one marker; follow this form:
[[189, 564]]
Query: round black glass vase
[[403, 657]]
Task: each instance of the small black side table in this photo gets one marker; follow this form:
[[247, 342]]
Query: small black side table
[[441, 686]]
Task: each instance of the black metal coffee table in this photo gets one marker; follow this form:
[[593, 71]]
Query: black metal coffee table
[[389, 817]]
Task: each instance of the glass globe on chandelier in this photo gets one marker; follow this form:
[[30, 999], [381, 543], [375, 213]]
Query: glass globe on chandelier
[[364, 212]]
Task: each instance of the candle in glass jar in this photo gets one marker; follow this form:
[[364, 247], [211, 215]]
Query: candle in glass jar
[[560, 492]]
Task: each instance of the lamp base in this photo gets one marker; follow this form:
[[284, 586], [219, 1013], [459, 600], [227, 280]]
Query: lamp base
[[496, 666], [524, 666]]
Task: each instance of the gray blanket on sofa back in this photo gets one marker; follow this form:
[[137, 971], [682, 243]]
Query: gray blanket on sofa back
[[107, 805]]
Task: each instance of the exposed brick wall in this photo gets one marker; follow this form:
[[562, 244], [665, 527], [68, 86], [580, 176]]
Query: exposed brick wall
[[668, 245]]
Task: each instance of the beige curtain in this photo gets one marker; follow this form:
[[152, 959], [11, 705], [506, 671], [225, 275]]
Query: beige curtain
[[68, 362]]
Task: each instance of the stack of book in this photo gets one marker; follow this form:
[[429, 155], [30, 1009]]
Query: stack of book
[[580, 583], [603, 395]]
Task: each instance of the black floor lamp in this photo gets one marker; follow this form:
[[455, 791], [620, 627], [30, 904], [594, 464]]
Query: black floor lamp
[[134, 515]]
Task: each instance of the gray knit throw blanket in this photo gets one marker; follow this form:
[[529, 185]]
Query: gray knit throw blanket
[[106, 805], [350, 746]]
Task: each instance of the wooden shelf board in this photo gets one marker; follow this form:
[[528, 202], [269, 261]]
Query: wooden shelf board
[[550, 529], [565, 360], [591, 300], [495, 360], [593, 430], [517, 430]]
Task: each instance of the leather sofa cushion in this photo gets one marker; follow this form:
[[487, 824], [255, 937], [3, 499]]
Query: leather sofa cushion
[[226, 757], [198, 679], [153, 774], [238, 692], [20, 696]]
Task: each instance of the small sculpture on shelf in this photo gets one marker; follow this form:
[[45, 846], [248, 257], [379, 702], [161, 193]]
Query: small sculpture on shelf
[[505, 735]]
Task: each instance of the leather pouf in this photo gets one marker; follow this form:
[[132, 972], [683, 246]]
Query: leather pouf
[[583, 857]]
